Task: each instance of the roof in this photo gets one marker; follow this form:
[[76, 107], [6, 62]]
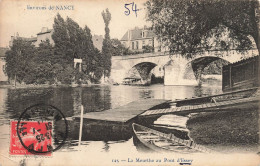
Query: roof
[[47, 31], [3, 51], [137, 34], [133, 78], [243, 61], [30, 39]]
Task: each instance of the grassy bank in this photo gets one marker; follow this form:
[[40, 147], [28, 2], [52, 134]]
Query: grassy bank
[[226, 131]]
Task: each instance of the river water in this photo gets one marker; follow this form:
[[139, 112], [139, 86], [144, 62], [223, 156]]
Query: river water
[[96, 137]]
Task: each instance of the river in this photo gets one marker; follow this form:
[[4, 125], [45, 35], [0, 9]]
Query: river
[[95, 137]]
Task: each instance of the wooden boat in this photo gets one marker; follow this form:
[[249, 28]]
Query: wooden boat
[[162, 142], [227, 96], [238, 104]]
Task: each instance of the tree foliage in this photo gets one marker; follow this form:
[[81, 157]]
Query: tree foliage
[[48, 64], [185, 25], [79, 45], [107, 46], [44, 60], [117, 47], [18, 60], [214, 67], [60, 37]]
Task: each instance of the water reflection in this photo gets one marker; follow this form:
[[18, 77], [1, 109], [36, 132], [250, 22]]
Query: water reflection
[[100, 131], [68, 100]]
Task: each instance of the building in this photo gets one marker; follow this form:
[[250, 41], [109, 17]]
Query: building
[[15, 37], [139, 39], [98, 41], [3, 74], [44, 35]]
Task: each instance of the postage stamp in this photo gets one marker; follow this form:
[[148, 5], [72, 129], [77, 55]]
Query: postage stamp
[[30, 136]]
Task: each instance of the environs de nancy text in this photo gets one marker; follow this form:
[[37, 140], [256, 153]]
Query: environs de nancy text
[[51, 7]]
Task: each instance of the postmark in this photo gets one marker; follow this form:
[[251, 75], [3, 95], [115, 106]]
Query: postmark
[[40, 130]]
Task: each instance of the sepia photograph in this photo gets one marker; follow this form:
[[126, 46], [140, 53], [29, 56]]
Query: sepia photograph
[[129, 83]]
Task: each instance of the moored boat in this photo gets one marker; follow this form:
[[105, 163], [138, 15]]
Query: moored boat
[[162, 142]]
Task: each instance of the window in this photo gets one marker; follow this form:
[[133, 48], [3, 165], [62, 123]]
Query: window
[[133, 45], [159, 48], [143, 44], [4, 69], [137, 45]]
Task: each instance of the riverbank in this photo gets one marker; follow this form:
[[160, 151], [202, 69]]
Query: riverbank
[[24, 86], [226, 131]]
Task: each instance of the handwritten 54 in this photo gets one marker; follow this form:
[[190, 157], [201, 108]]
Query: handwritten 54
[[128, 8]]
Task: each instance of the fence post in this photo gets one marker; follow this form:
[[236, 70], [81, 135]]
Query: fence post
[[81, 123]]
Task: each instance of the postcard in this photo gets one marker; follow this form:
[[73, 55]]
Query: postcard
[[129, 82]]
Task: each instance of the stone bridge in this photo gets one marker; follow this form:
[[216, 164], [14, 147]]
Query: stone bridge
[[175, 69]]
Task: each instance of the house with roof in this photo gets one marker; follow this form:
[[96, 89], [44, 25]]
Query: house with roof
[[44, 35], [15, 37], [138, 39]]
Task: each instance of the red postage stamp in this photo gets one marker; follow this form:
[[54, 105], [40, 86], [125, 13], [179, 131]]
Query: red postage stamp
[[31, 138]]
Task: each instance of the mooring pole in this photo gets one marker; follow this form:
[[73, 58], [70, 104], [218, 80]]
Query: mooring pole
[[81, 123]]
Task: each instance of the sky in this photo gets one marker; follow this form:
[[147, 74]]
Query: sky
[[16, 17]]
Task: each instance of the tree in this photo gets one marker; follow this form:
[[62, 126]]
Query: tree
[[45, 63], [48, 64], [117, 47], [77, 39], [107, 47], [60, 37], [92, 58], [30, 65], [96, 67], [184, 26], [78, 44], [19, 66]]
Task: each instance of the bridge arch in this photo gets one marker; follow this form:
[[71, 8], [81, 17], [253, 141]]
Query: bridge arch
[[197, 65], [182, 71], [142, 70]]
